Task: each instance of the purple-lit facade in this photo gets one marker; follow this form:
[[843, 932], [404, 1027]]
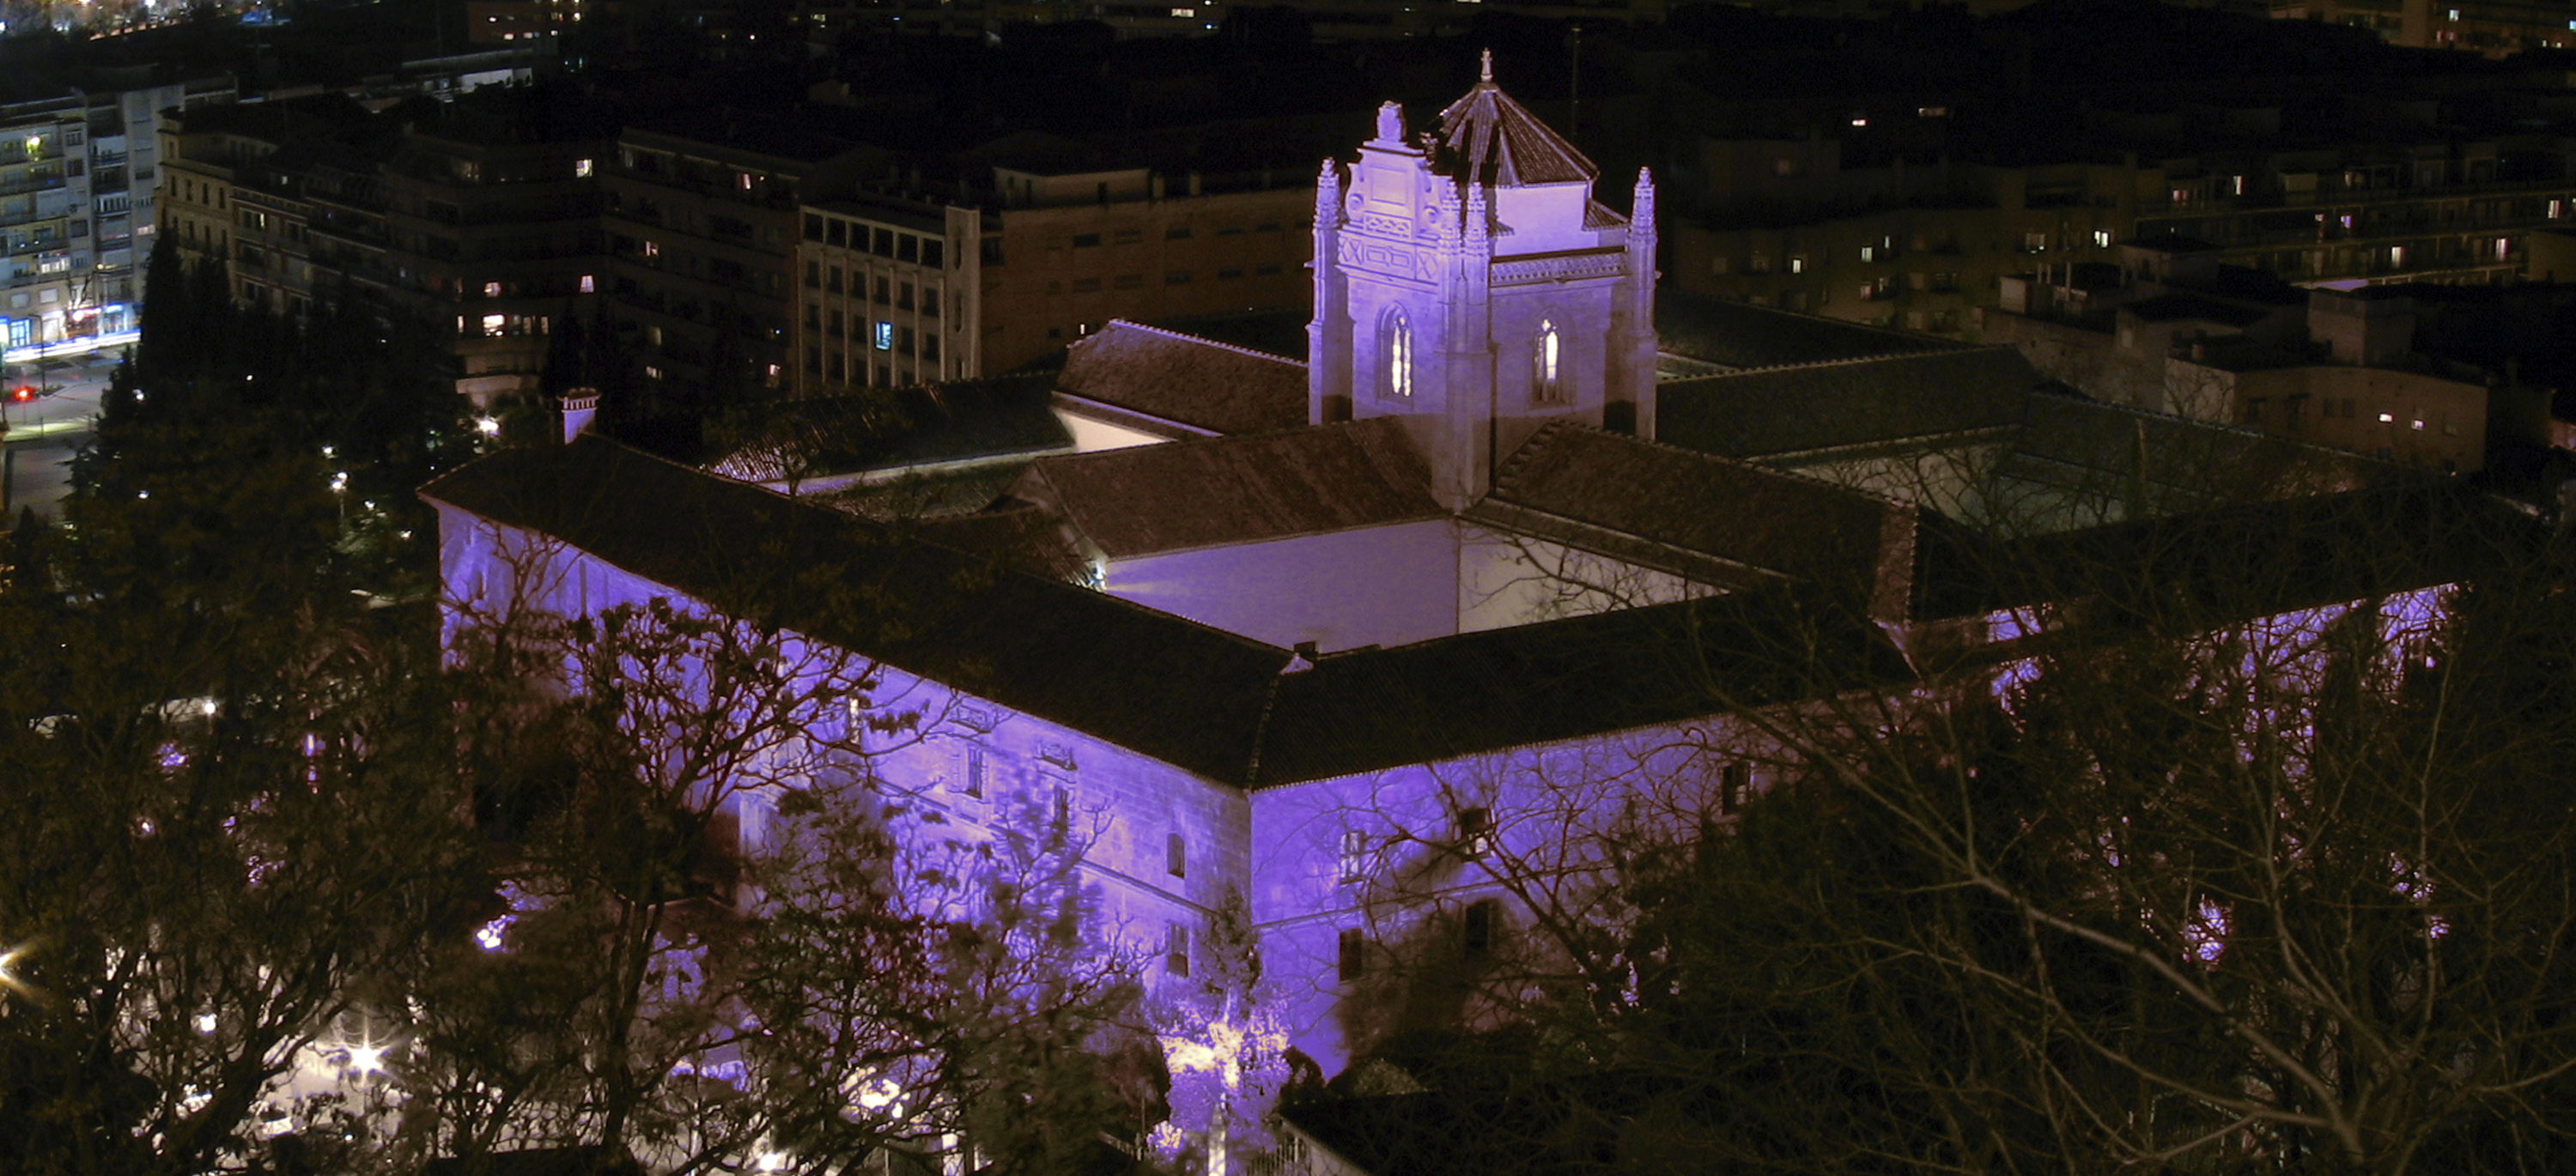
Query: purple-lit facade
[[1480, 404]]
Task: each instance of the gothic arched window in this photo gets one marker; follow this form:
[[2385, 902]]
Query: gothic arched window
[[1547, 365], [1395, 355]]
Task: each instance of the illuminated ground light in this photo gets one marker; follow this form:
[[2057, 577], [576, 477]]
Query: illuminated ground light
[[9, 980], [488, 426]]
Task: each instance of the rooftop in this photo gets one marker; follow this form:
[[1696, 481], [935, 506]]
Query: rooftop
[[1203, 385], [1487, 137], [1222, 491]]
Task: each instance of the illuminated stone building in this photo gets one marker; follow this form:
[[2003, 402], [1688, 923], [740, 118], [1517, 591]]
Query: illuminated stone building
[[1349, 639]]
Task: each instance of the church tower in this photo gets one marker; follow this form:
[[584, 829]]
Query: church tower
[[1467, 281]]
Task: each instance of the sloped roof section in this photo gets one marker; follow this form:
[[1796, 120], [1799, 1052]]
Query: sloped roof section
[[1735, 512], [1216, 492], [1487, 137], [1180, 692], [1200, 699], [1373, 709], [1741, 335], [1769, 411], [879, 430], [1201, 385]]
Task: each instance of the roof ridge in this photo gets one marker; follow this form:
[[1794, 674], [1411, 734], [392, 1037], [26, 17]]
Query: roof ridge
[[1198, 442], [1567, 427], [1855, 360], [884, 532], [1185, 336]]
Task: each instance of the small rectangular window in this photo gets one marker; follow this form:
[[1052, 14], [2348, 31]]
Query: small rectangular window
[[1176, 856], [1479, 929], [1475, 832], [934, 254], [1734, 786], [973, 784], [1352, 947], [1176, 949], [885, 336], [1086, 240], [1354, 866], [813, 226]]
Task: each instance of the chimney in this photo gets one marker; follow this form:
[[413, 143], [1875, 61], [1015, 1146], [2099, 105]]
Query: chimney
[[580, 407]]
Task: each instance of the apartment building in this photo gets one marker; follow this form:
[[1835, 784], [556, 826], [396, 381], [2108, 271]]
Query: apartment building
[[905, 286], [235, 189], [1068, 249], [2490, 28], [77, 208], [486, 217], [892, 295], [1925, 248], [483, 216], [1918, 248], [703, 222]]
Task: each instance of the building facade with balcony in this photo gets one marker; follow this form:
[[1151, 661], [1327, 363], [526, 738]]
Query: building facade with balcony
[[78, 177]]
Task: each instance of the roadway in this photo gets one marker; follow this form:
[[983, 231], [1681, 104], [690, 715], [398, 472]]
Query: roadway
[[47, 431]]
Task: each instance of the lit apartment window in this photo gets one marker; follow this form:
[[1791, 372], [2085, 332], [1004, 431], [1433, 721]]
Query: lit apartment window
[[581, 168], [1798, 264], [491, 289], [588, 285], [2101, 238], [885, 336], [1869, 253]]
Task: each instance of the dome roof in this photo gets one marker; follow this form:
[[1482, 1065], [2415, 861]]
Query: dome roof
[[1495, 140]]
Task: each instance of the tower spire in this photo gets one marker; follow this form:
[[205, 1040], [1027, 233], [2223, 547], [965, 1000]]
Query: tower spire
[[1486, 72]]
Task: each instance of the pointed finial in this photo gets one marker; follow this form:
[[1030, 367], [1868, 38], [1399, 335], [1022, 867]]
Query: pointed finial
[[1488, 68]]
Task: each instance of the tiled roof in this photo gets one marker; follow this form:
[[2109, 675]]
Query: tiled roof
[[1373, 709], [1202, 700], [1494, 140], [2245, 560], [1742, 335], [1766, 411], [1197, 383], [903, 427], [1206, 493], [2183, 307], [1180, 692], [1738, 513], [2090, 452]]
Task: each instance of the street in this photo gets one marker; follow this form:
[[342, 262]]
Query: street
[[44, 433]]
